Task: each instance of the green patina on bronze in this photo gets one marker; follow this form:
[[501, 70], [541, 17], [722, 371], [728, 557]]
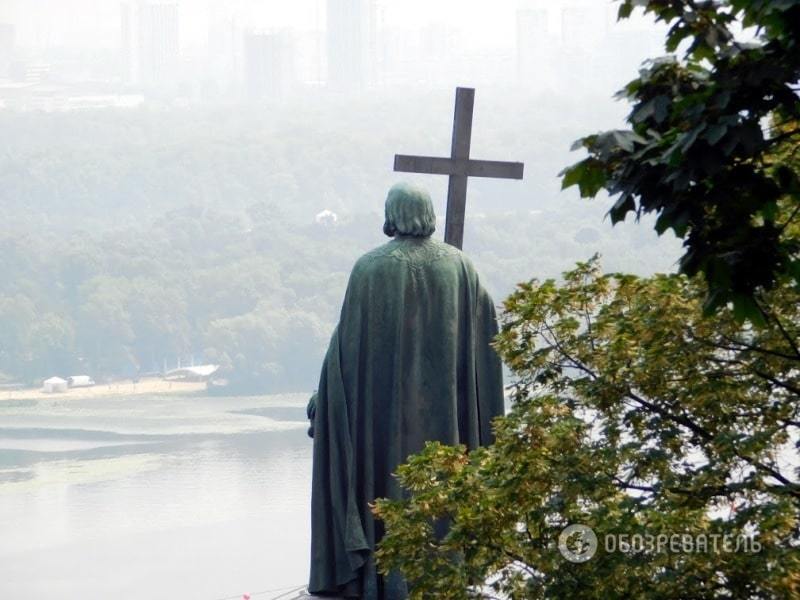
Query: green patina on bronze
[[409, 362], [409, 211]]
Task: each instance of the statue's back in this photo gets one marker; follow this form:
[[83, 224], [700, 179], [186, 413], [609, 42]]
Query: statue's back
[[410, 362], [415, 302]]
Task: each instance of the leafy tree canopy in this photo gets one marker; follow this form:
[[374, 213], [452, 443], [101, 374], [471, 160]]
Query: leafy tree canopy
[[701, 149], [636, 416]]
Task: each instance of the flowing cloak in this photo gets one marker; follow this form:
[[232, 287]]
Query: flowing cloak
[[409, 362]]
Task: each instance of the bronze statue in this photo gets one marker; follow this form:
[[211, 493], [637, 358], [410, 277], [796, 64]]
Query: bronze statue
[[409, 362]]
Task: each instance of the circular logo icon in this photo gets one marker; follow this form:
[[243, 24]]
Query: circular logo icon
[[577, 543]]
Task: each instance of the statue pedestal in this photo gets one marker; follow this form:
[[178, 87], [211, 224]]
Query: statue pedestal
[[303, 595]]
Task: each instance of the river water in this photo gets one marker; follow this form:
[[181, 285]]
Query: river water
[[150, 497]]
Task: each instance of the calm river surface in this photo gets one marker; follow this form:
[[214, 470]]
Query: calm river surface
[[152, 497]]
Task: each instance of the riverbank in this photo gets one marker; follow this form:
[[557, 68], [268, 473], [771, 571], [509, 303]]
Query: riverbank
[[154, 497], [125, 387]]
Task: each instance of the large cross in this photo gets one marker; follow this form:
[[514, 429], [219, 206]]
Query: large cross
[[459, 167]]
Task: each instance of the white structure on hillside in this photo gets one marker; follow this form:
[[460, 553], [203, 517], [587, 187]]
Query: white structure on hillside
[[326, 217], [54, 385]]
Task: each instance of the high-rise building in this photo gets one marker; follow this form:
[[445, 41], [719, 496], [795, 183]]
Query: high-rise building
[[310, 57], [158, 42], [127, 44], [351, 43], [584, 24], [268, 65], [7, 40], [149, 42], [223, 62]]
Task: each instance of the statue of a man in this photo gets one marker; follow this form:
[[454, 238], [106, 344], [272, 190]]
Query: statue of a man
[[409, 362]]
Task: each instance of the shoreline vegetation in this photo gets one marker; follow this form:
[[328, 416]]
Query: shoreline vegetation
[[217, 257], [123, 387]]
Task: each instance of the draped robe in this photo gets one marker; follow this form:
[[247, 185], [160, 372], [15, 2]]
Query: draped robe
[[410, 361]]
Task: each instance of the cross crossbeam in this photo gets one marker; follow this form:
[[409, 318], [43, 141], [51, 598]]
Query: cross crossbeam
[[432, 165], [459, 167]]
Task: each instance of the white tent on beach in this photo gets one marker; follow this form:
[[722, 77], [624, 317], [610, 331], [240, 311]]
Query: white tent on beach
[[54, 385], [80, 381], [198, 373]]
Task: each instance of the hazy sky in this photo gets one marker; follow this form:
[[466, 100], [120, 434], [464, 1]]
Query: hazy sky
[[93, 23]]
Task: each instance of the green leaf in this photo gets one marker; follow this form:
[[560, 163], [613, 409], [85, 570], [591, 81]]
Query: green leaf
[[624, 204], [745, 308], [715, 133], [589, 175]]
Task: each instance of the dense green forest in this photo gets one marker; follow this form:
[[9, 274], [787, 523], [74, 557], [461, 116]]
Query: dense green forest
[[135, 238]]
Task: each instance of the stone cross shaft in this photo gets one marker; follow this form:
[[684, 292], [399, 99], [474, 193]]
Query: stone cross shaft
[[459, 166]]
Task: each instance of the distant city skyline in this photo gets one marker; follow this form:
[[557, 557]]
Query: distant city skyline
[[203, 51], [43, 24]]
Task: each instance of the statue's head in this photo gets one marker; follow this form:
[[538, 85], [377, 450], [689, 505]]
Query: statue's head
[[409, 211]]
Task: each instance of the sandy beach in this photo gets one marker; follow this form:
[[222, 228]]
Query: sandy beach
[[125, 387]]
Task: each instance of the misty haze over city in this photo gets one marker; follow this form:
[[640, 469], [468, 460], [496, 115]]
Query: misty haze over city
[[71, 54]]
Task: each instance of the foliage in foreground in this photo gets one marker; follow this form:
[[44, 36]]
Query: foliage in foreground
[[633, 415], [697, 153]]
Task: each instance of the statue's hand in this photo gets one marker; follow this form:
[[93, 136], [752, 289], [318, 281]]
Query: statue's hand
[[311, 412]]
